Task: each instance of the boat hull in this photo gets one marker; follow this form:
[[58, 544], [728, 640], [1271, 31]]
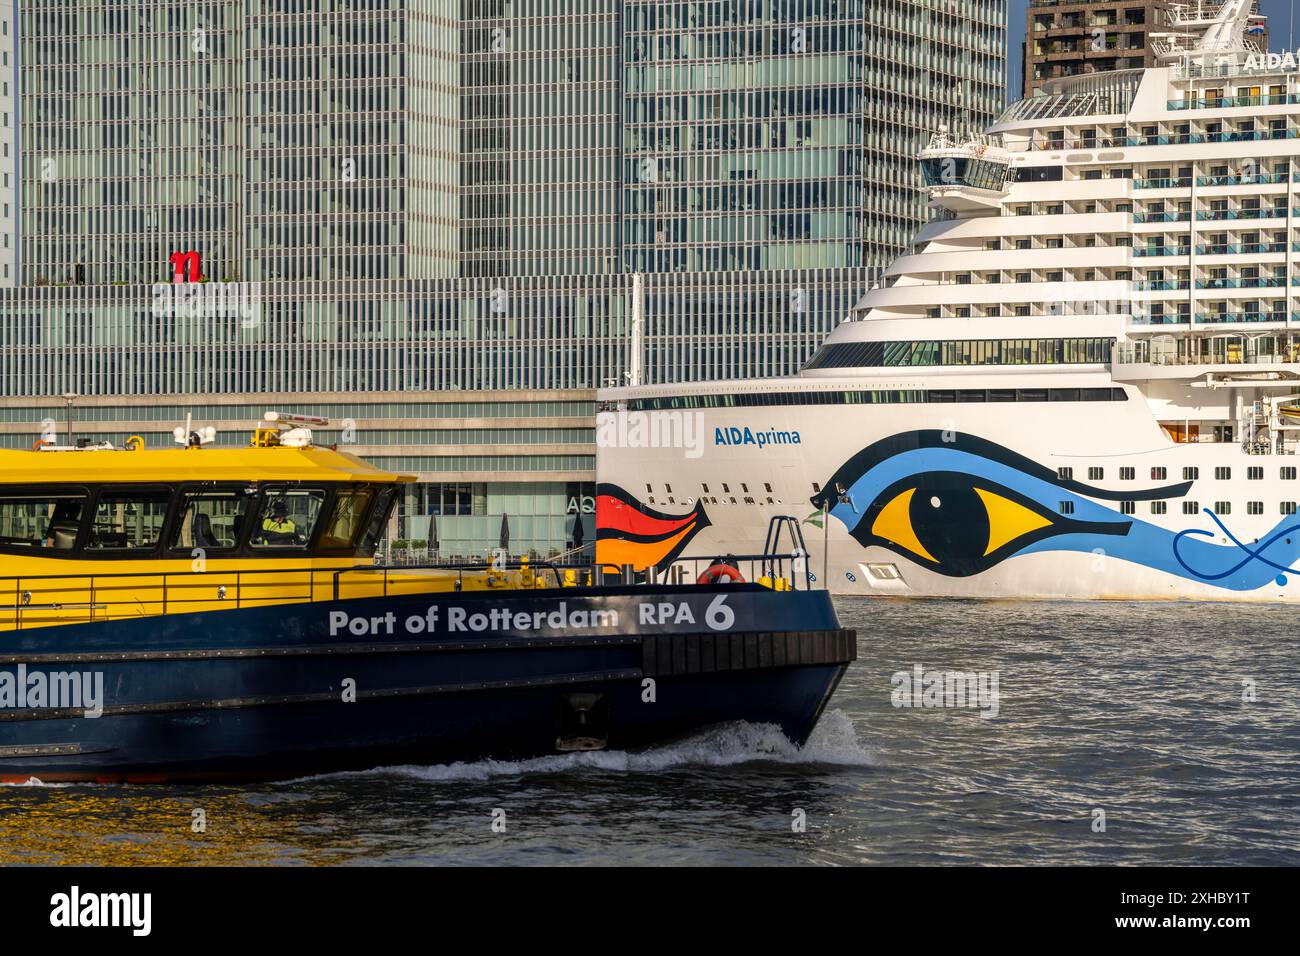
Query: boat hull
[[284, 692]]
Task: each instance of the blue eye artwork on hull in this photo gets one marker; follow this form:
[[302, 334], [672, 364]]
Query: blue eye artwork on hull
[[958, 505]]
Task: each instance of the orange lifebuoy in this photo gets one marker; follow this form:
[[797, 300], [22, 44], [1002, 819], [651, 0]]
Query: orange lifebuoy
[[716, 572]]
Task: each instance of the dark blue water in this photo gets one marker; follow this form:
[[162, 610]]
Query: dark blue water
[[1132, 709]]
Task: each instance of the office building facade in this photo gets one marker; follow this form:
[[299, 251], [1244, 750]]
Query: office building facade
[[421, 218], [1070, 37], [9, 102]]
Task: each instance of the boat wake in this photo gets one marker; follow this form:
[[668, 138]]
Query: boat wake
[[833, 742]]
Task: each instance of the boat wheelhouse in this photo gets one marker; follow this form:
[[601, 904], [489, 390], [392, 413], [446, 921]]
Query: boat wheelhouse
[[96, 533]]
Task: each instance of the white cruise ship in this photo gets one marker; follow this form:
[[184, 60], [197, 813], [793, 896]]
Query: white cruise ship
[[1083, 380]]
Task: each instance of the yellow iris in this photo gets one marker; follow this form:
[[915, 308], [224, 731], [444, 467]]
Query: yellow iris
[[894, 523], [1007, 519]]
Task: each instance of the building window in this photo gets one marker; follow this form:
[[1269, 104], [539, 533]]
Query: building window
[[1065, 474], [1191, 474], [1191, 507], [1096, 474], [1223, 474], [1287, 474], [1222, 508], [1254, 507], [1127, 474], [1127, 507], [1159, 473], [1287, 507], [1255, 473], [1066, 507], [1159, 507]]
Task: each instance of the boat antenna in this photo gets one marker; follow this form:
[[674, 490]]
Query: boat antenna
[[187, 436]]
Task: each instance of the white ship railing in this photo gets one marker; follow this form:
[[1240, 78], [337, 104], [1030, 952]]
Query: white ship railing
[[1129, 356], [1198, 11]]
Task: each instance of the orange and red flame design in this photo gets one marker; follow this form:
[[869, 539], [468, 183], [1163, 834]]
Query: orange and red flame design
[[629, 532]]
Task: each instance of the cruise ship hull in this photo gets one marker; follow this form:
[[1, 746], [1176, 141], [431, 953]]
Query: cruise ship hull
[[287, 691], [1049, 498]]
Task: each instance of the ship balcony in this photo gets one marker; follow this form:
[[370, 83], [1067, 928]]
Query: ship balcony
[[1233, 102], [1210, 182], [1242, 248], [1255, 282], [1228, 215], [1244, 318], [1057, 144], [1183, 321], [1184, 285], [1183, 182], [1262, 179], [1141, 218], [1229, 362], [1212, 249]]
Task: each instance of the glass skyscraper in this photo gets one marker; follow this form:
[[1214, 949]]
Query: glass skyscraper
[[421, 217]]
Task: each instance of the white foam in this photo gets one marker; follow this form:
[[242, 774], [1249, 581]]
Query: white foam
[[832, 742], [35, 782]]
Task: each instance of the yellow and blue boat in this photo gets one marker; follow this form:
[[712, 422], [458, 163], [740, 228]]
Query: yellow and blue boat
[[202, 613]]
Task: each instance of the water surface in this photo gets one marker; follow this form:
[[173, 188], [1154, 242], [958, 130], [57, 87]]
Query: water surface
[[1135, 710]]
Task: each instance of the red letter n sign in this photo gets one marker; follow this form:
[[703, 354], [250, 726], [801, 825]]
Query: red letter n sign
[[186, 267]]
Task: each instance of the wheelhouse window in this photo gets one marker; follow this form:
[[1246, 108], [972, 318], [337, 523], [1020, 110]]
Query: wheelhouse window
[[378, 522], [211, 520], [350, 509], [128, 520], [41, 521], [287, 518]]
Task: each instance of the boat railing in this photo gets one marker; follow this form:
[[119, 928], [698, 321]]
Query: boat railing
[[40, 600], [780, 572], [504, 574]]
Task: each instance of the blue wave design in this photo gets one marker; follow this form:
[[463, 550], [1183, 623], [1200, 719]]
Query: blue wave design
[[1189, 554], [1251, 555]]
